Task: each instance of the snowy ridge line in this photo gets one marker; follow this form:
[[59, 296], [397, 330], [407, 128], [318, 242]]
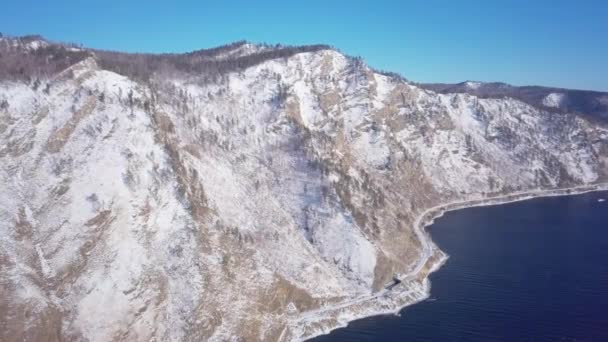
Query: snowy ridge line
[[424, 220]]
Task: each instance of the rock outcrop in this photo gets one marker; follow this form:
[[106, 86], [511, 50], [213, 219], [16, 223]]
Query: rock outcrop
[[272, 198]]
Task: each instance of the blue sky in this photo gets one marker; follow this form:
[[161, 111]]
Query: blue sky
[[555, 43]]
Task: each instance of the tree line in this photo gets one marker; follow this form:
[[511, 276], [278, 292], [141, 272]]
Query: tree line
[[144, 66], [17, 62]]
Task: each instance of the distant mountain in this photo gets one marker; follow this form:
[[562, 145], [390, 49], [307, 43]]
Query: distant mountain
[[249, 192], [591, 103]]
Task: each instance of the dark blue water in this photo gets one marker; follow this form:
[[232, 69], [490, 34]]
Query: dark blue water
[[529, 271]]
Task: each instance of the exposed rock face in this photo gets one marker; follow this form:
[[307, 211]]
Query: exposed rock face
[[271, 202]]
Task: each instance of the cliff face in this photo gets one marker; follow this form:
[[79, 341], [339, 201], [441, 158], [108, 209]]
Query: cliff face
[[274, 200]]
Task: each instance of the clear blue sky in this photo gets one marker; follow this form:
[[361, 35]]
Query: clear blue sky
[[545, 42]]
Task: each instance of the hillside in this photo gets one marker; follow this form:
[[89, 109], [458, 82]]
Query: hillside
[[248, 192]]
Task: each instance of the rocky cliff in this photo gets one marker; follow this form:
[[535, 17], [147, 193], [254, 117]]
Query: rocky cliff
[[248, 192]]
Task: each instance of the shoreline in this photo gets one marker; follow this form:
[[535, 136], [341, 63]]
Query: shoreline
[[430, 250]]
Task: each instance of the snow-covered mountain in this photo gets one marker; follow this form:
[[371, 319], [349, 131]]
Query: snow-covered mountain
[[593, 104], [247, 192]]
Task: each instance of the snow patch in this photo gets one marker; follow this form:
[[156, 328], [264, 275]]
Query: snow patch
[[339, 240], [371, 147], [554, 100], [472, 85], [44, 265]]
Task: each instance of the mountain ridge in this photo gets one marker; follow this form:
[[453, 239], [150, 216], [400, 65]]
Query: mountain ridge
[[586, 102], [273, 199], [210, 51]]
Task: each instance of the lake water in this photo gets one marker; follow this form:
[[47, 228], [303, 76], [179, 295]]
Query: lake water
[[527, 271]]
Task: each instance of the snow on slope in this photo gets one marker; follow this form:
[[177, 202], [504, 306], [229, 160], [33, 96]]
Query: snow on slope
[[272, 203], [472, 85], [554, 100]]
